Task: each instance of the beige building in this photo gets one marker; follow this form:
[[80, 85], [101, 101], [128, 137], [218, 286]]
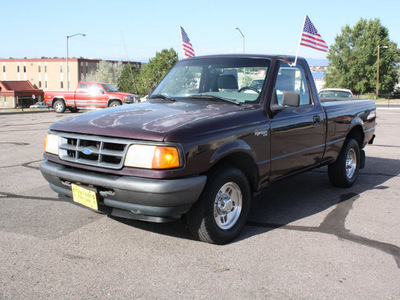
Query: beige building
[[47, 73]]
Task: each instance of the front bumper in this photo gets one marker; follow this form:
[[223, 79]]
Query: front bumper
[[147, 199]]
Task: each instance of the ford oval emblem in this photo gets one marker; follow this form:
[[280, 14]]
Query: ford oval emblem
[[86, 151]]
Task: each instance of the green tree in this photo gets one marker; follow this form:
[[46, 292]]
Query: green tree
[[128, 79], [152, 72], [353, 59], [107, 72]]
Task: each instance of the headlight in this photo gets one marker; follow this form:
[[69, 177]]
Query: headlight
[[371, 115], [128, 98], [152, 157], [51, 143]]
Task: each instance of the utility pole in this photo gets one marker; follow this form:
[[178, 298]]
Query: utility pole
[[70, 36], [377, 68]]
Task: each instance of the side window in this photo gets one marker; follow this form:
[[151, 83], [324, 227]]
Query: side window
[[83, 88], [292, 79], [96, 89]]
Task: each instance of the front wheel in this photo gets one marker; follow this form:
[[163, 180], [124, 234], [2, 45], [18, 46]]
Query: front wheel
[[221, 212], [343, 172], [115, 103]]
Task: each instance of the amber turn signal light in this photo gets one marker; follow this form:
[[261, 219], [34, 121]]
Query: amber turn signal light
[[165, 158]]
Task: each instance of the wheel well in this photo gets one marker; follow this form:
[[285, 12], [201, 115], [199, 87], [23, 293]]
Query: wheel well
[[357, 133], [112, 100], [245, 163], [55, 99]]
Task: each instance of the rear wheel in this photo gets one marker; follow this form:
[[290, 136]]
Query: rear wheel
[[59, 106], [114, 103], [221, 212], [73, 109], [343, 172]]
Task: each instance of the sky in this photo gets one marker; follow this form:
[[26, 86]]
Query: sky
[[136, 30]]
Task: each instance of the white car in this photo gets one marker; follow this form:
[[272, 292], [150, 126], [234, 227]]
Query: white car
[[335, 93], [39, 105]]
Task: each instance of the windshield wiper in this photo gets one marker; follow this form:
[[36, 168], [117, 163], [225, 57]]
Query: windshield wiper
[[162, 96], [213, 97]]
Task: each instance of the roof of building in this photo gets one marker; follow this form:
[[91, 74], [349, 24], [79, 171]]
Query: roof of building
[[44, 60], [20, 87], [17, 85]]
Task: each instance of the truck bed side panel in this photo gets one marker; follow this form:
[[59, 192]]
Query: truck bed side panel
[[342, 117]]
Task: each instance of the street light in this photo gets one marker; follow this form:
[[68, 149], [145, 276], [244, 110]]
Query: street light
[[237, 28], [70, 36], [377, 68]]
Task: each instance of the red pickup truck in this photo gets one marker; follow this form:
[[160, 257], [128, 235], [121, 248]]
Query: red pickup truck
[[88, 95]]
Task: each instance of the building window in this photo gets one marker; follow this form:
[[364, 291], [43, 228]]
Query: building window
[[39, 69], [45, 84], [18, 69], [24, 69], [45, 69], [40, 84], [61, 84], [4, 69], [61, 68]]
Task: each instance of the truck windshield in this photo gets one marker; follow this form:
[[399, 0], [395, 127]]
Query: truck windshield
[[226, 79], [109, 88]]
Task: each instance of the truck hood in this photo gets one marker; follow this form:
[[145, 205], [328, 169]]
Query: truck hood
[[119, 94], [146, 121]]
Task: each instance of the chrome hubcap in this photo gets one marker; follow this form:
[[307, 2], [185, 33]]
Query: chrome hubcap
[[351, 163], [227, 205]]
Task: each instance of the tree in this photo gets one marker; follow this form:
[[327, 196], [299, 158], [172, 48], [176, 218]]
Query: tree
[[128, 79], [107, 72], [152, 72], [353, 59]]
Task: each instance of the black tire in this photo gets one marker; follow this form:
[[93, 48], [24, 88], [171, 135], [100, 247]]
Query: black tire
[[114, 103], [73, 109], [59, 106], [343, 172], [221, 212]]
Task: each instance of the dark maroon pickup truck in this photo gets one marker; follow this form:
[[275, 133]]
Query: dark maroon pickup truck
[[207, 139]]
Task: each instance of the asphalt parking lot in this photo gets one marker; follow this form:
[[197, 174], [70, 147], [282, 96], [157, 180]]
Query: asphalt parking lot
[[304, 239]]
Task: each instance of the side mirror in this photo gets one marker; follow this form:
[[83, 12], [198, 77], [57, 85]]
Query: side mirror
[[291, 98]]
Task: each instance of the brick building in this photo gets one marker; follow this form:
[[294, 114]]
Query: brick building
[[48, 73], [15, 94]]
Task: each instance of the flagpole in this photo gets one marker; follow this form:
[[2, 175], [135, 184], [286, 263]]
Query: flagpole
[[298, 47]]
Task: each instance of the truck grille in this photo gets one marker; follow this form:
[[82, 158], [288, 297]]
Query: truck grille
[[93, 150]]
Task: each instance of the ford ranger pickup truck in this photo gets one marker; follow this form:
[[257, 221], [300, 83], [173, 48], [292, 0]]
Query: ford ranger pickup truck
[[88, 95], [205, 142]]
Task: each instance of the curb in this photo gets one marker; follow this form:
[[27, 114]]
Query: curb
[[24, 112]]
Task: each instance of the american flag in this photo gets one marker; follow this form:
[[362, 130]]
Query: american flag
[[311, 38], [186, 45]]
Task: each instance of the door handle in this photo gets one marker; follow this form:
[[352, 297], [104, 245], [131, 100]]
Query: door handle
[[316, 120]]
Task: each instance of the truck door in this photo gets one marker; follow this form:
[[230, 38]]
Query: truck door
[[297, 133], [91, 95], [82, 95]]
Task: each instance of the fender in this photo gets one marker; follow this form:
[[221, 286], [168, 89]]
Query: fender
[[58, 98], [356, 121], [113, 99], [234, 146]]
